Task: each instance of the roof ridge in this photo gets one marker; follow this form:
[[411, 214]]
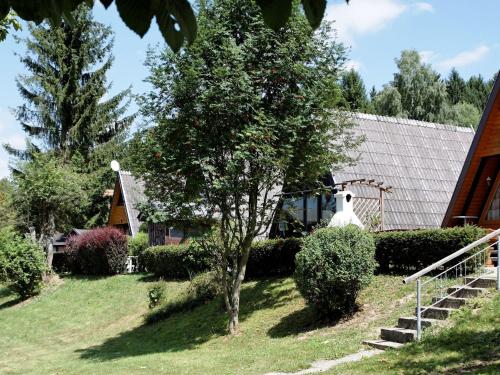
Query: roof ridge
[[406, 121]]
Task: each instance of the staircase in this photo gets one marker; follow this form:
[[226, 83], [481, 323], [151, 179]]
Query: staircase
[[470, 278]]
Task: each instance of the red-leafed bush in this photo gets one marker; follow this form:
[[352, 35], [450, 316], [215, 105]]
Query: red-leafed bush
[[101, 251]]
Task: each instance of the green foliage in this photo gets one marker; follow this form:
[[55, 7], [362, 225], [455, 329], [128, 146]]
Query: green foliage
[[66, 108], [273, 257], [22, 264], [175, 261], [463, 114], [7, 22], [422, 92], [388, 102], [176, 19], [242, 111], [7, 209], [202, 289], [455, 87], [411, 251], [156, 295], [137, 244], [48, 195], [101, 251], [476, 92], [267, 258], [332, 268], [354, 91]]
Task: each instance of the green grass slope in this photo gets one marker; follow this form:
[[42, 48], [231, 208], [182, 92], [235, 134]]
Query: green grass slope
[[95, 326]]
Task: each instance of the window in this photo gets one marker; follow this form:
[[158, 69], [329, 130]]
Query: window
[[494, 210]]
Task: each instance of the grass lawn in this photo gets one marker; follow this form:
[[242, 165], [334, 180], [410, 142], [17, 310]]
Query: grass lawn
[[469, 346], [95, 326]]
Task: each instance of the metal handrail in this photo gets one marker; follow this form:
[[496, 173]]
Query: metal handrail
[[456, 254]]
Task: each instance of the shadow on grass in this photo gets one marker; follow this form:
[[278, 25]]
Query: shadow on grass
[[305, 320], [186, 331], [10, 303], [459, 351]]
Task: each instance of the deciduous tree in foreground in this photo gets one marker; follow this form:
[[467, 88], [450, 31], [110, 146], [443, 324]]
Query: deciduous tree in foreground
[[239, 114]]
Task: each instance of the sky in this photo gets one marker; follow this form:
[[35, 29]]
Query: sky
[[447, 33]]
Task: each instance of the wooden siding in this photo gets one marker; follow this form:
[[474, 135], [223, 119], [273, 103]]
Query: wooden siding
[[483, 162], [118, 213]]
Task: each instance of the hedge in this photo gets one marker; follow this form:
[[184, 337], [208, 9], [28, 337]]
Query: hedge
[[267, 258], [409, 251]]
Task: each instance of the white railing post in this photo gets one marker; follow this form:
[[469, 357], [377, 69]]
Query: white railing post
[[419, 314]]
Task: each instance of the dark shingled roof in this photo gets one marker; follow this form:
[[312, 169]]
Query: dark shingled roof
[[420, 160], [133, 194]]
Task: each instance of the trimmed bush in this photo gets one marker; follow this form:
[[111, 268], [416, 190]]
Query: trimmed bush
[[101, 251], [137, 244], [175, 261], [202, 289], [273, 257], [410, 251], [22, 264], [267, 258], [333, 266]]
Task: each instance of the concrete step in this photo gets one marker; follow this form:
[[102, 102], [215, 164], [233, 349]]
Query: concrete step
[[440, 313], [410, 322], [465, 291], [482, 282], [383, 344], [450, 302], [396, 334]]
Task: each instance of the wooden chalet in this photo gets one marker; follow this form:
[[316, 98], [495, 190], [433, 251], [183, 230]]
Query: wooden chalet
[[476, 198], [127, 194]]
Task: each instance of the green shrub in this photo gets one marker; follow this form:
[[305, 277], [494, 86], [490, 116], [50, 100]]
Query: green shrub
[[333, 266], [410, 251], [175, 261], [101, 251], [273, 257], [202, 289], [267, 258], [22, 264], [137, 244]]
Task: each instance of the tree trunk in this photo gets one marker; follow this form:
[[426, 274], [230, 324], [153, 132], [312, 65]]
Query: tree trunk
[[50, 239]]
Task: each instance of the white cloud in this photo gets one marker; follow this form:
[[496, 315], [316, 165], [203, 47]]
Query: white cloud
[[465, 58], [362, 16], [427, 56], [353, 64], [423, 7]]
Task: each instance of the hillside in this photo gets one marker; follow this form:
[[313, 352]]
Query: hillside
[[85, 325]]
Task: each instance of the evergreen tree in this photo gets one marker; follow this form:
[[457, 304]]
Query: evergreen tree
[[455, 87], [241, 112], [476, 92], [65, 106], [353, 91], [423, 94], [67, 111], [373, 94]]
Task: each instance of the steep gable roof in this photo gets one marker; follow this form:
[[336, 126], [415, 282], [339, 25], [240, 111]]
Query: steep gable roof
[[133, 193], [469, 194], [420, 160]]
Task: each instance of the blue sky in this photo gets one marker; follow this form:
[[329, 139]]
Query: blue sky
[[447, 33]]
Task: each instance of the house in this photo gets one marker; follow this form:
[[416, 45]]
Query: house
[[476, 198], [404, 177], [128, 193], [60, 240]]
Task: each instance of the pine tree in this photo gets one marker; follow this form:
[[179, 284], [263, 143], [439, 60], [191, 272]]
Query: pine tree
[[65, 106], [353, 91], [66, 110], [373, 93], [455, 87], [476, 92]]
